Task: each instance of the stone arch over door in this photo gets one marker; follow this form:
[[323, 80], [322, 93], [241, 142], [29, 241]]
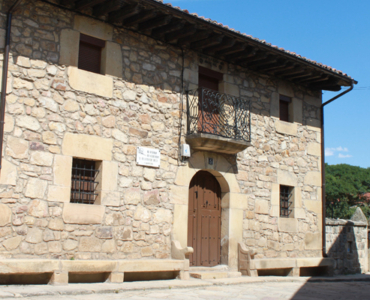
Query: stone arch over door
[[233, 202]]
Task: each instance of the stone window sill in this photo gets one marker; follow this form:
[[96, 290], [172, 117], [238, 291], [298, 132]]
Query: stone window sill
[[89, 82], [83, 214], [286, 127], [288, 224]]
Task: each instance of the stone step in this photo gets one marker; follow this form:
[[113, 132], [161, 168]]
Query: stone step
[[218, 268], [214, 275]]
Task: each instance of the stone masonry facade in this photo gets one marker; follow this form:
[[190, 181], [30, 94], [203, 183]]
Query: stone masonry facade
[[49, 112]]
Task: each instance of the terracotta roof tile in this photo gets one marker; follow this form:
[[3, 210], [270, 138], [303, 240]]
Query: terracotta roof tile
[[258, 40]]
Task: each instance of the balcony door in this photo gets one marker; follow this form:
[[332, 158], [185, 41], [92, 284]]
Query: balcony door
[[208, 100], [204, 220]]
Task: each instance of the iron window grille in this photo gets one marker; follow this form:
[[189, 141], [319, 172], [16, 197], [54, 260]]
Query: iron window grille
[[84, 183], [218, 114], [286, 201]]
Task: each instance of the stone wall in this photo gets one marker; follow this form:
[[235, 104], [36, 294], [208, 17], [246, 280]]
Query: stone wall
[[42, 108], [53, 115], [346, 243]]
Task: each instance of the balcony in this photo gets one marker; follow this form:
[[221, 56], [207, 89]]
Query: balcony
[[217, 122]]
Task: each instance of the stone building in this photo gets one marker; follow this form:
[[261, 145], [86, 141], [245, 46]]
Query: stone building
[[94, 85]]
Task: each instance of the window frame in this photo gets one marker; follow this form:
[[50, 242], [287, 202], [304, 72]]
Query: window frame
[[286, 201], [84, 181], [88, 48], [285, 103]]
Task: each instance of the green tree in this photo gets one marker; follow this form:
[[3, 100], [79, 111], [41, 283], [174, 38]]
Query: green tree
[[345, 186]]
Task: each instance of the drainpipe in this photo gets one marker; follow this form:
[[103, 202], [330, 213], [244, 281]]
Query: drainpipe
[[179, 158], [323, 167], [5, 76]]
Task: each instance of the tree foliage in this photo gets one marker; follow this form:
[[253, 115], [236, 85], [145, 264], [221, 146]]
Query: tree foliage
[[345, 186]]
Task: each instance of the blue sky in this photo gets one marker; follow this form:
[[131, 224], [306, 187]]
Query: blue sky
[[333, 32]]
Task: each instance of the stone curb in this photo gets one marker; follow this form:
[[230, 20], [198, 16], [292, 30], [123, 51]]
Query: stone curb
[[16, 291]]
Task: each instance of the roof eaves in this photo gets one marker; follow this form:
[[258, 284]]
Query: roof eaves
[[263, 43]]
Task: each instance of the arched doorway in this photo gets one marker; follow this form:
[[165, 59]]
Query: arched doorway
[[204, 220]]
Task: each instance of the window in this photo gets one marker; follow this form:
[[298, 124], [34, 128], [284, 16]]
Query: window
[[286, 201], [284, 108], [349, 247], [208, 100], [89, 54], [209, 79], [84, 181]]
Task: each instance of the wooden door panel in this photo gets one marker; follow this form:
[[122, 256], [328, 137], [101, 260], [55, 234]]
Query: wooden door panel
[[205, 240], [192, 223], [213, 241], [199, 199], [204, 220]]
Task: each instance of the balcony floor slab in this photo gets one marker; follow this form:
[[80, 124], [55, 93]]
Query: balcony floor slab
[[214, 143]]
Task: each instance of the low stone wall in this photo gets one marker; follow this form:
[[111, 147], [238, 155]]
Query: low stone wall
[[346, 244]]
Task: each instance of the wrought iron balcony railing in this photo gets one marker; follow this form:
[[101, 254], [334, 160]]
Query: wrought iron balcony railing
[[218, 114]]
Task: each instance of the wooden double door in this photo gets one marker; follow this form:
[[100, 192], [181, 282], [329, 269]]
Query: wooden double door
[[204, 223]]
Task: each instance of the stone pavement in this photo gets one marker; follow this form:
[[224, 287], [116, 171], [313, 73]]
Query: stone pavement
[[254, 288]]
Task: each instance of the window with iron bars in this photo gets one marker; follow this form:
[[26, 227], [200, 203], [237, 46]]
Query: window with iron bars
[[84, 183], [286, 201]]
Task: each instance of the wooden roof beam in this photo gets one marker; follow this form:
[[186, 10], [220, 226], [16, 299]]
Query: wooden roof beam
[[328, 87], [280, 64], [107, 7], [241, 59], [268, 61], [226, 44], [139, 18], [200, 35], [247, 52], [181, 33], [311, 78], [322, 78], [295, 70], [124, 13], [82, 4], [173, 26], [67, 2], [298, 76], [239, 47], [285, 70], [282, 69], [255, 55], [301, 72], [331, 84], [211, 41], [158, 22]]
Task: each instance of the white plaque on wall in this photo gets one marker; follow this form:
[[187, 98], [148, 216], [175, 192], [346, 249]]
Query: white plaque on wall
[[148, 157]]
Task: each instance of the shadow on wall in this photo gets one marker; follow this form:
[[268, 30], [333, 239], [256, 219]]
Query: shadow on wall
[[346, 244], [343, 246]]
